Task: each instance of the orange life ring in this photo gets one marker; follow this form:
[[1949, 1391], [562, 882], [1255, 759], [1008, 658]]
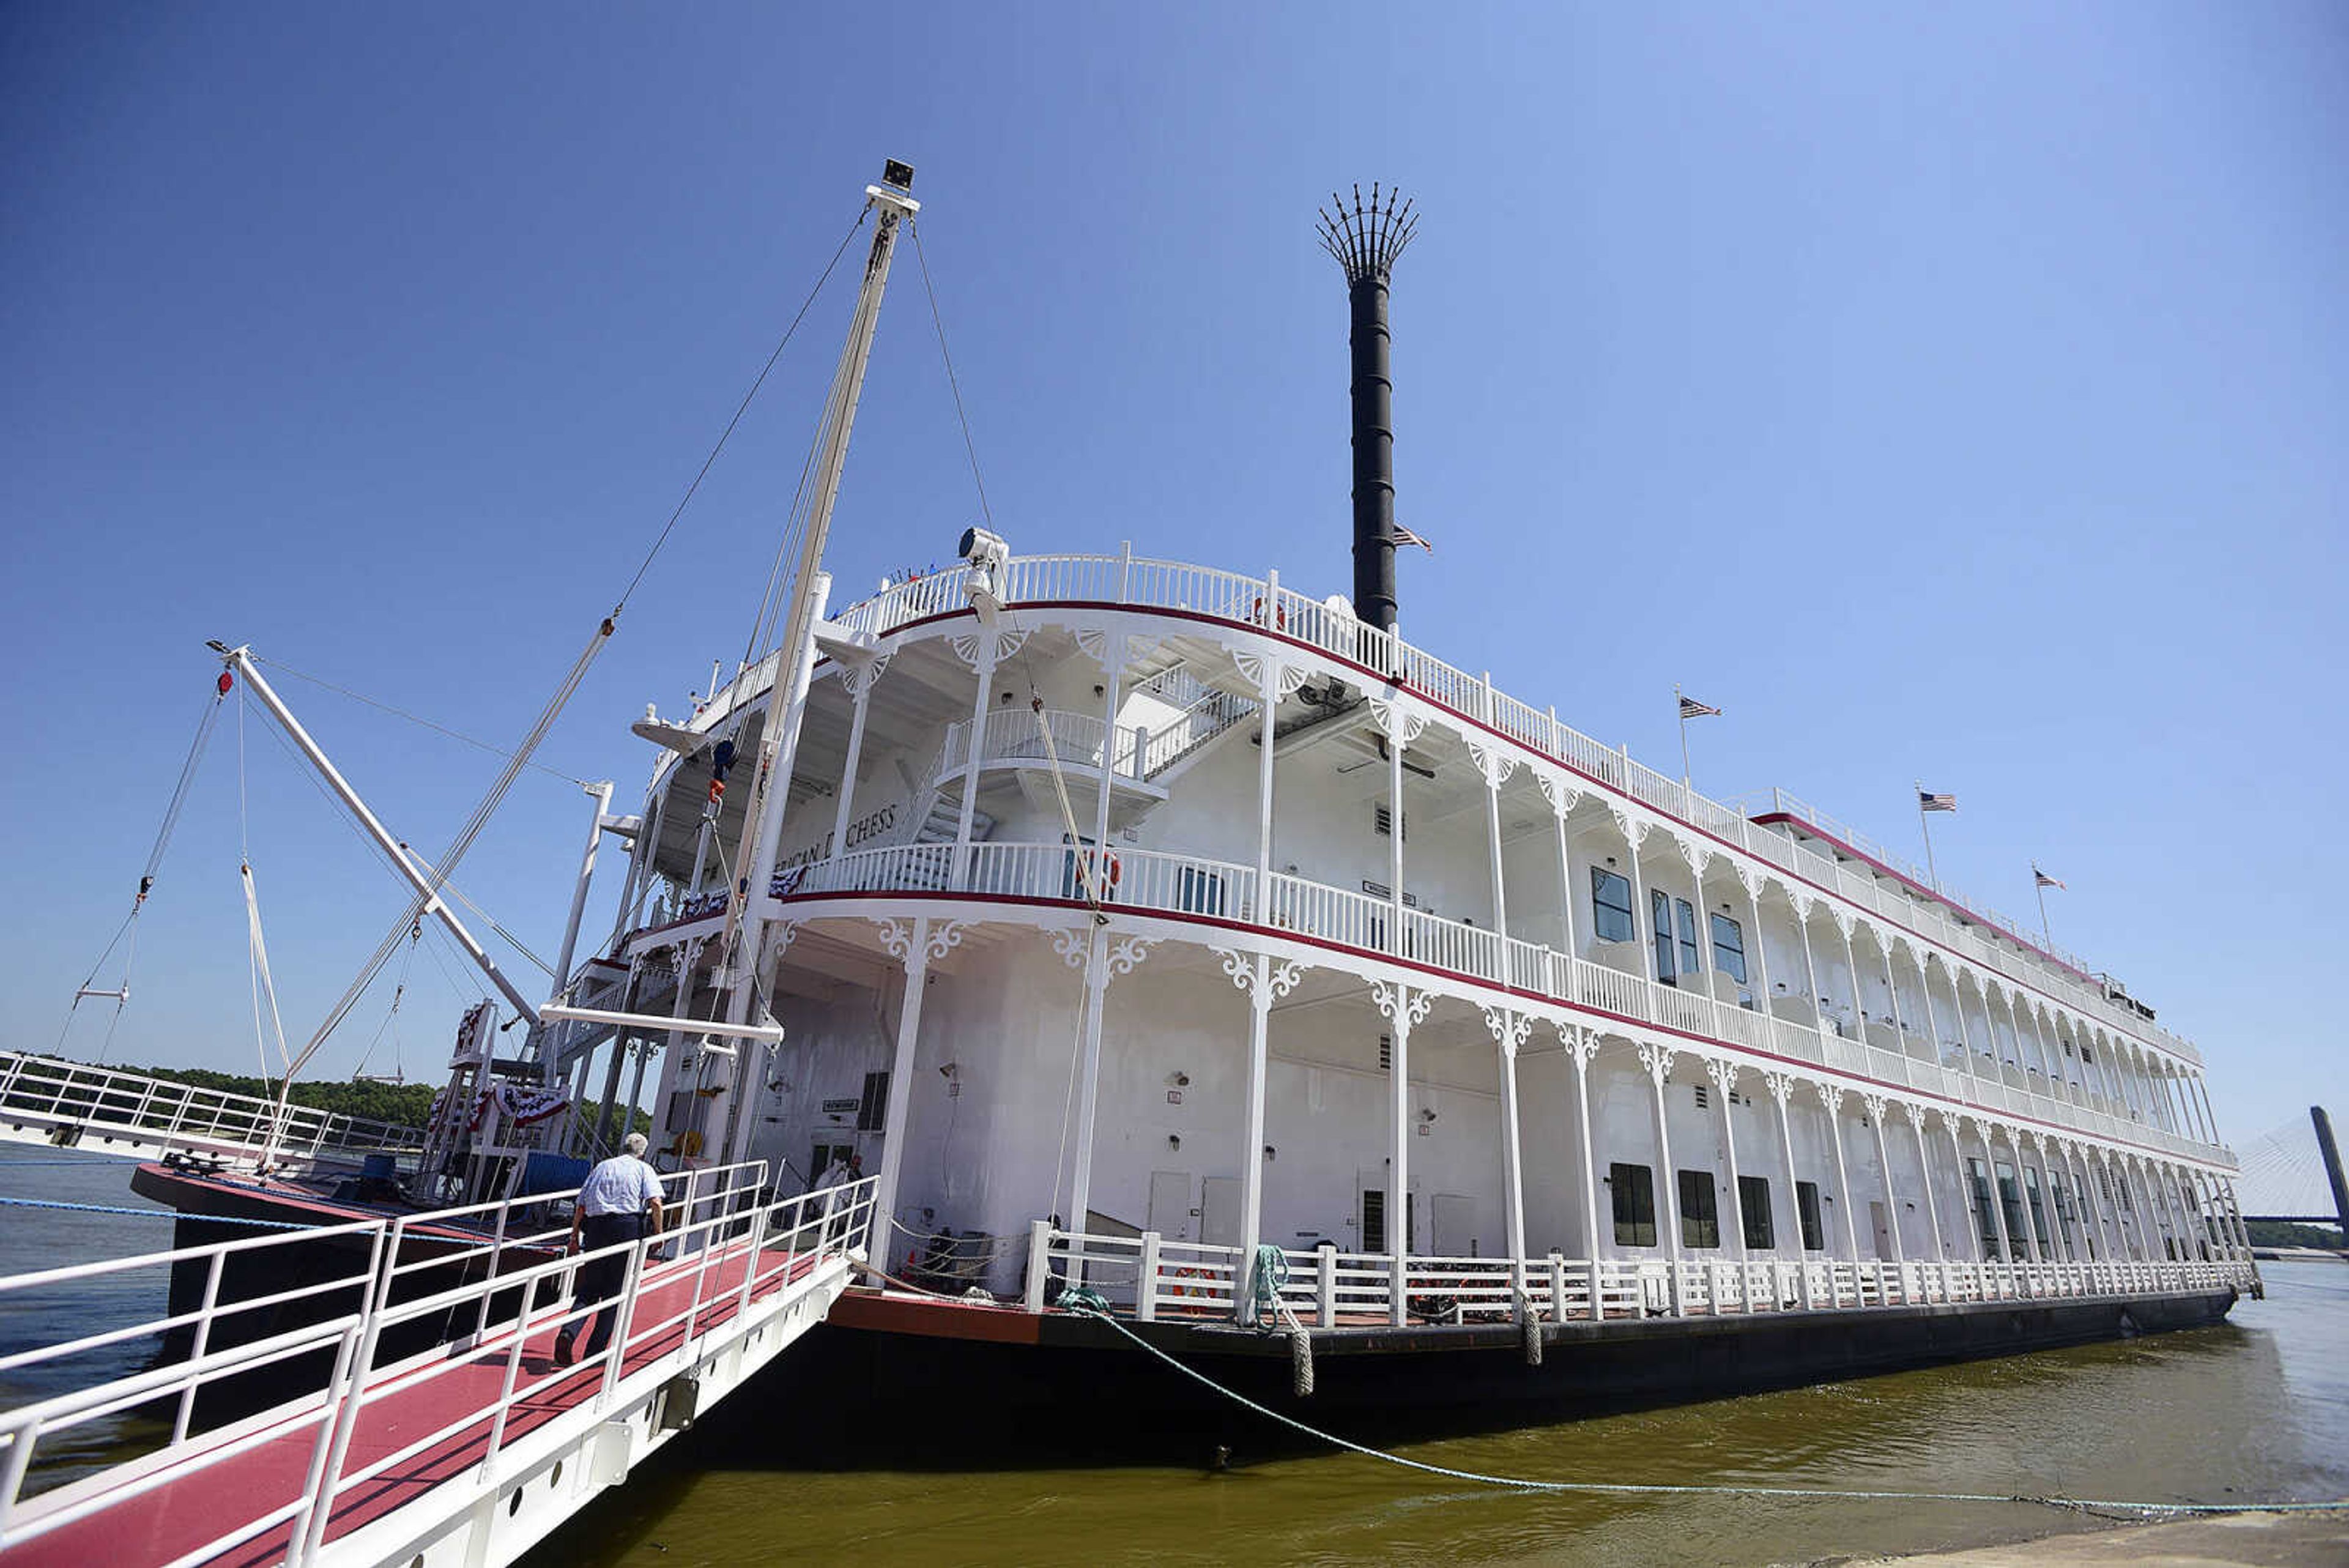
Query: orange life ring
[[1101, 866], [1279, 614]]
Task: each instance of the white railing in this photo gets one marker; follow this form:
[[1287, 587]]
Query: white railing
[[731, 1254], [51, 1096], [1155, 880], [1157, 1280], [1254, 602]]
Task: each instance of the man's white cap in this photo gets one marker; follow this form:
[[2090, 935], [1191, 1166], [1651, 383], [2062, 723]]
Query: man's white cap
[[635, 1143]]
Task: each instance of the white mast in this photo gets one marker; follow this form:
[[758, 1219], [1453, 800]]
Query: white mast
[[779, 743]]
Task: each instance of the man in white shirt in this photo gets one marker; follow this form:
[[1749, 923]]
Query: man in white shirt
[[614, 1204]]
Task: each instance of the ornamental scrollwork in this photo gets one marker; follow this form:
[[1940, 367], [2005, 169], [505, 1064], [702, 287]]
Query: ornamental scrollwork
[[1658, 1060], [1558, 788], [1507, 1027], [1073, 943], [1723, 1073], [897, 936], [1400, 1005], [1831, 1095], [946, 936], [1580, 1043], [1781, 1086], [1399, 723], [1128, 954], [1493, 762]]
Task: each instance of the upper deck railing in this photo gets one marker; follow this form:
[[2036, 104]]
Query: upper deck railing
[[1156, 880], [1259, 603], [55, 1096]]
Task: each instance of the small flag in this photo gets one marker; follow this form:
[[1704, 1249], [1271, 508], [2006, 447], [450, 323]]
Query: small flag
[[1403, 536], [1926, 801], [2043, 881], [1692, 708]]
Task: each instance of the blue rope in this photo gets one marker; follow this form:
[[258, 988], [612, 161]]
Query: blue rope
[[150, 1213]]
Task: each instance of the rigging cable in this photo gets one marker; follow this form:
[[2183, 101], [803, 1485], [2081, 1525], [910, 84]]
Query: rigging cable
[[952, 384], [520, 757], [129, 929], [284, 668]]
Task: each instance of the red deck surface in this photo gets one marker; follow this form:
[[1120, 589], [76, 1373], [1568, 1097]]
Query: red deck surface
[[208, 1501]]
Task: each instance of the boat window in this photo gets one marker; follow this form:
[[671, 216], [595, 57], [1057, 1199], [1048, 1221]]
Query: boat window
[[1690, 963], [1700, 1212], [873, 1104], [1729, 948], [1754, 1210], [1611, 905], [1634, 1187], [1375, 1220], [1984, 1221], [1806, 1209], [1660, 925]]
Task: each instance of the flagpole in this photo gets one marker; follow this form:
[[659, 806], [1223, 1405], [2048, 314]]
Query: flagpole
[[2039, 887], [1680, 706], [1925, 827]]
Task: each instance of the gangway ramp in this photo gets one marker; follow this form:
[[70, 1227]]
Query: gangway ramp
[[460, 1454], [71, 1105]]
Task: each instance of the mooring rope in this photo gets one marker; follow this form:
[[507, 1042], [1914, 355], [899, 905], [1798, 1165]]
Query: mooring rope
[[1082, 1304]]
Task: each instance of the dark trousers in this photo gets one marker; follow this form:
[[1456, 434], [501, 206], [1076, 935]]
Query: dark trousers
[[600, 1279]]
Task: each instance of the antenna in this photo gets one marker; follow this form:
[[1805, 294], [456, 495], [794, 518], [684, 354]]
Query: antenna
[[1367, 238]]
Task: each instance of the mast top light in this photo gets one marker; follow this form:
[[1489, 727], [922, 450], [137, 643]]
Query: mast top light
[[901, 175]]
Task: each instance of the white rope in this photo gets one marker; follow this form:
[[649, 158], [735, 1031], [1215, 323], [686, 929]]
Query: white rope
[[1648, 1489]]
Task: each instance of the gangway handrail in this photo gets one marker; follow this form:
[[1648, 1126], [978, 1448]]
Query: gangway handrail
[[700, 1276], [170, 1113]]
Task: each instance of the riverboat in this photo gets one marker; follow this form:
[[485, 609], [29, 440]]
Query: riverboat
[[1326, 1015]]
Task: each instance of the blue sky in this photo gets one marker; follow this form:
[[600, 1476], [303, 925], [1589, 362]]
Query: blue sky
[[1951, 393]]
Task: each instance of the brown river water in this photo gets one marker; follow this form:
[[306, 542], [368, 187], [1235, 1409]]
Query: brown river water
[[2256, 1410]]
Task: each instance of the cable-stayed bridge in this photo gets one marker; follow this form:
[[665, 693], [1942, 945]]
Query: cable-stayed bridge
[[2294, 1173]]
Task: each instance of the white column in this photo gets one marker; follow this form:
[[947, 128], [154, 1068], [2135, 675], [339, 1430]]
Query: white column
[[1966, 1189], [1876, 1104], [1754, 884], [1887, 943], [915, 949], [1916, 1119], [1997, 1197], [1724, 1074], [1851, 965], [1402, 1007], [1802, 907], [1565, 880], [988, 643], [1509, 1029], [602, 794], [858, 676], [1582, 1044], [1101, 964], [1781, 1086], [2040, 1251], [1658, 1061], [1253, 976], [1832, 1099]]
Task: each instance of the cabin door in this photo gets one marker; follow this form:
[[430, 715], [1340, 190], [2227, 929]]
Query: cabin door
[[1877, 1216], [1170, 1205], [1454, 1218], [1219, 1211]]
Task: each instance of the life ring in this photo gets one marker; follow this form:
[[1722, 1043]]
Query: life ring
[[688, 1143], [1279, 614], [1102, 868], [1180, 1289]]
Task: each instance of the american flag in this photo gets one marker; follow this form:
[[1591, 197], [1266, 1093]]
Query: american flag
[[2042, 879], [1403, 536], [1692, 708], [1926, 800]]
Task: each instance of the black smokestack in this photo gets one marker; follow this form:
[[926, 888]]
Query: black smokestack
[[1367, 239]]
